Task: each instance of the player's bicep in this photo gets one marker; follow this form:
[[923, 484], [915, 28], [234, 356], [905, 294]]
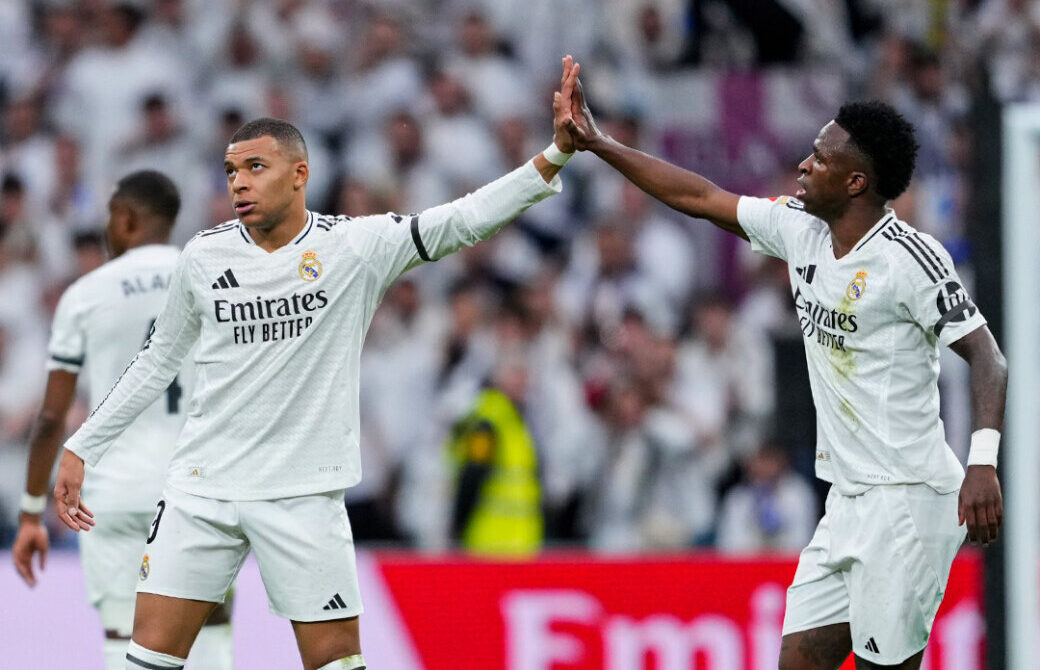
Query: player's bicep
[[720, 207]]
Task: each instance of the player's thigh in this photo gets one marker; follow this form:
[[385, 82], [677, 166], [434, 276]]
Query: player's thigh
[[110, 554], [908, 537], [192, 555], [305, 552], [322, 642], [824, 648]]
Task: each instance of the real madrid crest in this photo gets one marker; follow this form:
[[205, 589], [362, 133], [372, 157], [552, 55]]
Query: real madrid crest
[[310, 267], [145, 568], [857, 287]]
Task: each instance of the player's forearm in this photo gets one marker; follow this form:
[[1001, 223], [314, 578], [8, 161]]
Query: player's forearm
[[44, 443], [989, 377], [680, 189]]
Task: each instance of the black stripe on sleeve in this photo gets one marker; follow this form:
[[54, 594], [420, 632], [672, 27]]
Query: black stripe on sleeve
[[910, 250], [912, 239], [68, 360], [418, 240], [965, 309], [934, 254]]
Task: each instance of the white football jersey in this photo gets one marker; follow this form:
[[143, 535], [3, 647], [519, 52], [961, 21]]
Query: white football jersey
[[872, 322], [101, 322], [275, 408]]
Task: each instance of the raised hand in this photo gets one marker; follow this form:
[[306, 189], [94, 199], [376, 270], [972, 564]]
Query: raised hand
[[71, 509], [562, 105], [578, 119]]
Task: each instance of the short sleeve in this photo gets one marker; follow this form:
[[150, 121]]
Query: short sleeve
[[68, 343], [772, 224], [932, 292]]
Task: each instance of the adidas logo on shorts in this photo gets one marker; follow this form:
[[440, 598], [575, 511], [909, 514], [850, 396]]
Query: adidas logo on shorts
[[335, 603], [872, 646]]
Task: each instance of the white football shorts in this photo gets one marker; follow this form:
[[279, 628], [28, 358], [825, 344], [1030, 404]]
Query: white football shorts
[[303, 545], [111, 553], [879, 561]]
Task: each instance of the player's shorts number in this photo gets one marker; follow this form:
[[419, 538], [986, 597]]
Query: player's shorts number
[[159, 509]]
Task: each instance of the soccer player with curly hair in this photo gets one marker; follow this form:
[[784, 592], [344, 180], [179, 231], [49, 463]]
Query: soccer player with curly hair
[[875, 298]]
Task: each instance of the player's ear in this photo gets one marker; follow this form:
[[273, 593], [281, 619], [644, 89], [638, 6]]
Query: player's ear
[[857, 183], [303, 173]]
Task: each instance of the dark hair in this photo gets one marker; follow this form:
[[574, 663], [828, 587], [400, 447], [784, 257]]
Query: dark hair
[[152, 191], [284, 132], [886, 139]]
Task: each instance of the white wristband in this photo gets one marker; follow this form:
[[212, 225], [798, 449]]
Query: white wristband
[[33, 504], [554, 155], [984, 446]]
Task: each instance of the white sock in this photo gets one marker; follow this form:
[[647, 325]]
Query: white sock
[[212, 649], [355, 662], [139, 658], [115, 653]]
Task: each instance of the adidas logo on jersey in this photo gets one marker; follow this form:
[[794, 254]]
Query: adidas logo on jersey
[[226, 280], [872, 646], [335, 603], [807, 273]]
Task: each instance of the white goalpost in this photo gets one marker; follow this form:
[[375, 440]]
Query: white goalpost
[[1021, 458]]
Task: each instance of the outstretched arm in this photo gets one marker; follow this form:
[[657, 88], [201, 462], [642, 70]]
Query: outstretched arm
[[981, 505], [680, 189]]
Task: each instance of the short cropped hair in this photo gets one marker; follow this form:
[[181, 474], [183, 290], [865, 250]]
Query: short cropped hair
[[886, 139], [153, 192], [284, 132]]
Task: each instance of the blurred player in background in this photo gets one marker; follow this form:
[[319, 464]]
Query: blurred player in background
[[875, 298], [101, 322], [279, 301]]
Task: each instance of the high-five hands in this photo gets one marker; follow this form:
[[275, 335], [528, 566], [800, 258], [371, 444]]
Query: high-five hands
[[571, 112]]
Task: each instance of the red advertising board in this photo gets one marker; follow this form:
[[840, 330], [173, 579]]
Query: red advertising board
[[583, 613]]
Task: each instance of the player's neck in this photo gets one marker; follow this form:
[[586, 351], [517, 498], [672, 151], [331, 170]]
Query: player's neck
[[282, 233], [848, 229]]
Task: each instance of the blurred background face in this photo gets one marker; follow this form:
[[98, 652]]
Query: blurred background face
[[117, 230]]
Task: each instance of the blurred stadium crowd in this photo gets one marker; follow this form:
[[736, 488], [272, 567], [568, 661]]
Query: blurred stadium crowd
[[656, 363]]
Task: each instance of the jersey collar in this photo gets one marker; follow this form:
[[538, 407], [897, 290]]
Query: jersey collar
[[299, 238], [889, 217]]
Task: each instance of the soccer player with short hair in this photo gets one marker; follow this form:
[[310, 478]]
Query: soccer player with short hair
[[874, 298], [101, 322], [278, 302]]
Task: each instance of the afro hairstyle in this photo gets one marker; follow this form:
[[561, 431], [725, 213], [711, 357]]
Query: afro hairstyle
[[886, 139]]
